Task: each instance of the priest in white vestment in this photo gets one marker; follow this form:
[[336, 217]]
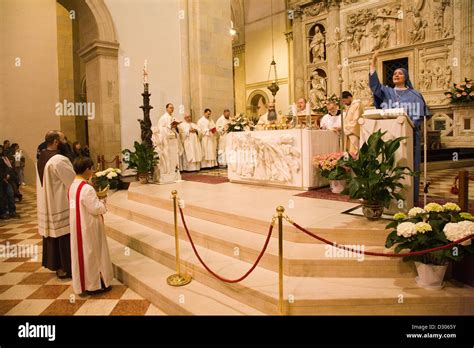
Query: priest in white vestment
[[208, 132], [301, 105], [354, 111], [332, 120], [92, 270], [222, 125], [192, 152], [270, 117], [165, 138], [54, 176]]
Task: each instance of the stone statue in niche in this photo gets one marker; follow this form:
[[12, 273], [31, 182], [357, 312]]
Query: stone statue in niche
[[419, 27], [317, 45], [318, 89], [381, 33]]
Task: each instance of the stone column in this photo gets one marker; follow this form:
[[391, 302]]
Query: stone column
[[333, 73], [210, 54], [298, 58], [102, 89], [239, 78], [291, 75]]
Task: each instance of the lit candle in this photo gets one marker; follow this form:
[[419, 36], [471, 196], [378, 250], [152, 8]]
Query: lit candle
[[145, 72]]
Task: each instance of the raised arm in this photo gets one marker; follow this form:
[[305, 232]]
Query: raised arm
[[375, 86]]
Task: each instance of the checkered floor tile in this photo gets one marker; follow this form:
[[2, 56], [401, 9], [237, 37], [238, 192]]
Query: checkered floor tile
[[442, 181], [26, 288]]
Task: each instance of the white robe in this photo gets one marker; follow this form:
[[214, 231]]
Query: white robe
[[208, 142], [168, 147], [192, 154], [328, 121], [89, 250], [51, 197], [221, 130]]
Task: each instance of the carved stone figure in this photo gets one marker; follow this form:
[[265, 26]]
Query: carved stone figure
[[381, 33], [439, 77], [448, 73], [317, 45], [318, 89], [419, 26], [425, 79]]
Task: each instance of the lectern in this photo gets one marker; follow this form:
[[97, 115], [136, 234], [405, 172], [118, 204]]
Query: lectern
[[397, 124]]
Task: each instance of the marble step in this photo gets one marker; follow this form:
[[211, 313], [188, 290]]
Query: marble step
[[252, 209], [304, 295], [299, 259], [148, 278]]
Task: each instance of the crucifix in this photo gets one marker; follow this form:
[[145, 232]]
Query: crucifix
[[337, 42]]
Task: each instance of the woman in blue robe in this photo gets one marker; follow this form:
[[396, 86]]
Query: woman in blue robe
[[403, 95]]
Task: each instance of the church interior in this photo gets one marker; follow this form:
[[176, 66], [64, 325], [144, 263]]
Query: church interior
[[236, 149]]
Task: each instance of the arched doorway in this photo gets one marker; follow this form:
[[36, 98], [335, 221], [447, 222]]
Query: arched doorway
[[95, 60]]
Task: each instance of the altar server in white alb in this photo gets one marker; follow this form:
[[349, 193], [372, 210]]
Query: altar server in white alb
[[332, 120], [222, 125], [54, 176], [91, 266], [207, 131], [168, 146], [192, 153]]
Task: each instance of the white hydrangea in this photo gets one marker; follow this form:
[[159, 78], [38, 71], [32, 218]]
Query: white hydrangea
[[406, 229], [111, 175], [118, 171], [451, 207], [415, 211], [435, 207], [452, 231], [423, 227], [99, 174]]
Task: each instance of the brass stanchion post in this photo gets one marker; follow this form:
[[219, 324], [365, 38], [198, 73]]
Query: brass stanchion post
[[280, 210], [177, 279]]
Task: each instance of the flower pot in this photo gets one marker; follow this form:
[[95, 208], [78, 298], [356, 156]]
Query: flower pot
[[143, 178], [372, 211], [337, 186], [430, 276]]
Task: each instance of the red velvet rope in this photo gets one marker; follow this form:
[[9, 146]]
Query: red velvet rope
[[414, 253], [211, 271]]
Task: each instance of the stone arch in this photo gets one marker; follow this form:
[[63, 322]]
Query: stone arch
[[98, 51], [253, 101]]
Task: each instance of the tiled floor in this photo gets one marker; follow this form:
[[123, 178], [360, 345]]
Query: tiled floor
[[26, 288]]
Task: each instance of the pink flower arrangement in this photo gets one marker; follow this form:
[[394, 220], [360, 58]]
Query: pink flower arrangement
[[461, 92], [328, 164]]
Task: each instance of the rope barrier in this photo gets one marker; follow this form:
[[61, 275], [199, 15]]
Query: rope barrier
[[270, 230], [370, 253]]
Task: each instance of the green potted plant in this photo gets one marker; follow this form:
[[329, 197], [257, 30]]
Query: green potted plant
[[143, 159], [430, 227], [374, 176]]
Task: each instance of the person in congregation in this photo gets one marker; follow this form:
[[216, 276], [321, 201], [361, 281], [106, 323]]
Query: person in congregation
[[92, 271], [167, 129], [351, 115], [268, 118], [7, 195], [192, 152], [208, 131], [55, 175], [402, 95], [222, 125], [332, 120]]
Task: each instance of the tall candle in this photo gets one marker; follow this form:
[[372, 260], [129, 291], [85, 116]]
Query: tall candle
[[145, 72], [308, 108]]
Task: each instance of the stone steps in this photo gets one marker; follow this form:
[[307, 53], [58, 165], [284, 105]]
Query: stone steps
[[300, 259], [306, 295], [148, 278], [324, 220]]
